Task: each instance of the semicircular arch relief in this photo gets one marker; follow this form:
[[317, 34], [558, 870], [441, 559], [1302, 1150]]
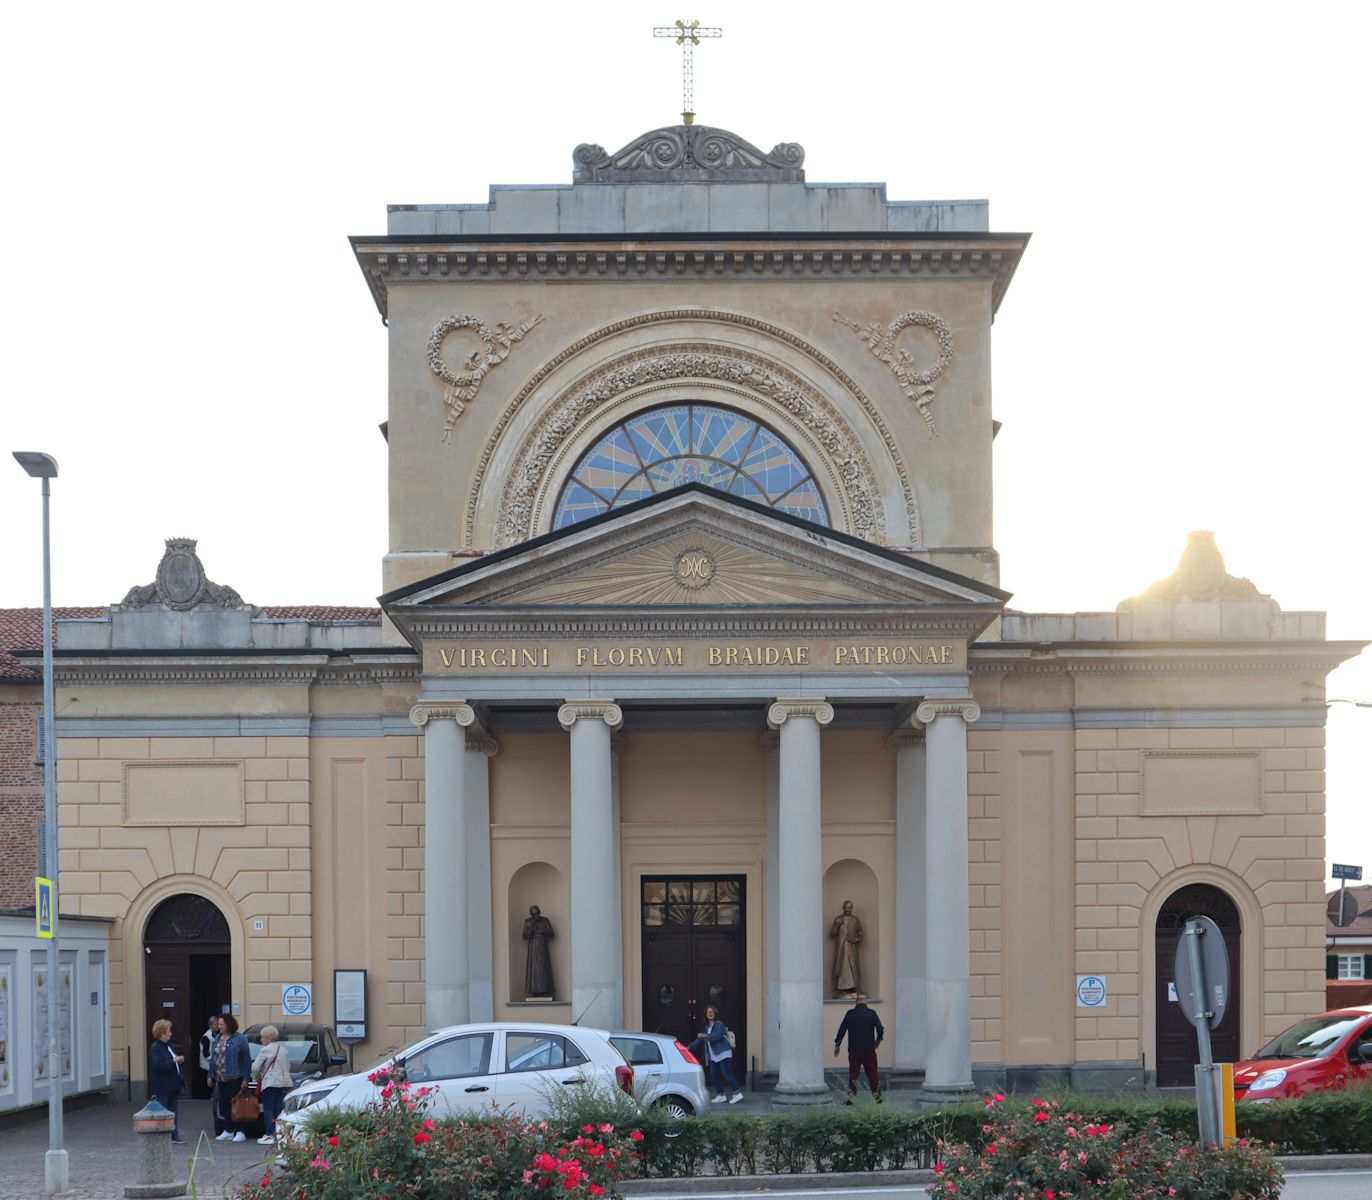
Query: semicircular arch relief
[[796, 406]]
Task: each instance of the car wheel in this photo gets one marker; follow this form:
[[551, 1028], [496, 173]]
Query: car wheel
[[676, 1109]]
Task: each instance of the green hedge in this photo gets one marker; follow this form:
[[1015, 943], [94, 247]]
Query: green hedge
[[868, 1137]]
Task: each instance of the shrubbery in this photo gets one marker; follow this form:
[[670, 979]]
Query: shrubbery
[[592, 1139], [1051, 1153], [394, 1149]]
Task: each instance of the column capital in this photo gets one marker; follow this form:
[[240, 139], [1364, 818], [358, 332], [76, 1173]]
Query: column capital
[[905, 738], [948, 706], [482, 743], [448, 710], [590, 710], [786, 707]]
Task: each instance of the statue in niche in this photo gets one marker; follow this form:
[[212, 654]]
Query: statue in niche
[[538, 967], [846, 933]]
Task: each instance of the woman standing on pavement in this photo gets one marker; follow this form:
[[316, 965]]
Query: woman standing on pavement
[[272, 1070], [719, 1053], [164, 1074], [232, 1066]]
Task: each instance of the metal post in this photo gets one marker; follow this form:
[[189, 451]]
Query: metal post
[[1207, 1106], [55, 1162], [44, 467]]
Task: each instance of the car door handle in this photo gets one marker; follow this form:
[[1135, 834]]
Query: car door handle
[[477, 1087], [570, 1082]]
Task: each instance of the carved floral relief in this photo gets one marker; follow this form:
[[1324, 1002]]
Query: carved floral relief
[[495, 349], [916, 384]]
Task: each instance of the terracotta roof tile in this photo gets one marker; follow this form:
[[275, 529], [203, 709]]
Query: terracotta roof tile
[[22, 629], [1361, 925], [323, 614]]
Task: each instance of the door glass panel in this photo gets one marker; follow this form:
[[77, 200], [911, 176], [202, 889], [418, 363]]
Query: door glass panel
[[640, 1052], [653, 914], [678, 892], [654, 891], [703, 891], [728, 891], [539, 1052], [729, 914]]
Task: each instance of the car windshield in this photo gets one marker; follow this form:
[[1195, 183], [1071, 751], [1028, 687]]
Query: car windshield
[[300, 1054], [1314, 1038]]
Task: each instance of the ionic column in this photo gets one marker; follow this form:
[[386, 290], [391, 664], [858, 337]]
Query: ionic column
[[911, 905], [481, 748], [947, 939], [771, 932], [800, 919], [597, 942], [446, 1000]]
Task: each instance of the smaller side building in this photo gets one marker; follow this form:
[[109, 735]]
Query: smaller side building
[[81, 994]]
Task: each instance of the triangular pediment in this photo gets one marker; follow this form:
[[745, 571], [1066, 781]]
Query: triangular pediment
[[696, 548]]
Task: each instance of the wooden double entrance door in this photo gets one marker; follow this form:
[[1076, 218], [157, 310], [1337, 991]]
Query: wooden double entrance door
[[1178, 1050], [694, 955], [186, 974]]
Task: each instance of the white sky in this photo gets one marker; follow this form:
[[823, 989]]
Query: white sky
[[185, 329]]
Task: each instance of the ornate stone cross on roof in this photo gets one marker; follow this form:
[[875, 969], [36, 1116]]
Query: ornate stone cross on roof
[[688, 35]]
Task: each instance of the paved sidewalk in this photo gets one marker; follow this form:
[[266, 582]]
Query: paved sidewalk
[[102, 1152]]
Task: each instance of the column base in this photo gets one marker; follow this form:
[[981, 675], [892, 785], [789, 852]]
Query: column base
[[940, 1095], [802, 1094]]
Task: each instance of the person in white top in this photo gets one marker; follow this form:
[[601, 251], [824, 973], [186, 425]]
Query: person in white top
[[272, 1071]]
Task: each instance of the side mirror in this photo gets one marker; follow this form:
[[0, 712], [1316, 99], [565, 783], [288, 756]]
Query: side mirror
[[1362, 1052], [338, 1059]]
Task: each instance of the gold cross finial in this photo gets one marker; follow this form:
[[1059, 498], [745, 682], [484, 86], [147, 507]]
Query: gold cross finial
[[688, 35]]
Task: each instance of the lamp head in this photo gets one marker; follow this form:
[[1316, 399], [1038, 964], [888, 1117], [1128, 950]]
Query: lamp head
[[37, 464]]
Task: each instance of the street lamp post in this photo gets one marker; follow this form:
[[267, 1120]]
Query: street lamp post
[[44, 467]]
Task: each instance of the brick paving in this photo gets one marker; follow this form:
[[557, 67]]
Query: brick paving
[[102, 1152]]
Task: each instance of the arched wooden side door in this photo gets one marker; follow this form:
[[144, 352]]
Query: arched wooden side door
[[186, 976], [1177, 1049]]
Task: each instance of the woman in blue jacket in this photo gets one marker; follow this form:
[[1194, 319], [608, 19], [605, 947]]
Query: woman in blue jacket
[[231, 1064], [713, 1047], [164, 1073]]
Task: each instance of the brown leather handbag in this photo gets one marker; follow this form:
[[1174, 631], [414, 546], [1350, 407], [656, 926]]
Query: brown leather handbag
[[244, 1107]]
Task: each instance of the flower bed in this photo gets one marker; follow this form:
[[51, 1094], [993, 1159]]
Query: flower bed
[[1050, 1153], [394, 1148]]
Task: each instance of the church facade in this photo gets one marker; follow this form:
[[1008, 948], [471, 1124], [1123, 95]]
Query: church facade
[[693, 637]]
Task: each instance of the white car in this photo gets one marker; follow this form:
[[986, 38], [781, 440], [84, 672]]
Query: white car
[[508, 1066]]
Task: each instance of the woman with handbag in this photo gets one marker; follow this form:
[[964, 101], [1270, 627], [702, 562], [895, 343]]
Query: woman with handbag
[[164, 1074], [232, 1066], [718, 1045], [272, 1071]]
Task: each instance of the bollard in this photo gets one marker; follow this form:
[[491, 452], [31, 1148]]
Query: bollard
[[154, 1125]]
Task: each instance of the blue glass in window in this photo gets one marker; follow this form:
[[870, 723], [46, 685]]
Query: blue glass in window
[[666, 447]]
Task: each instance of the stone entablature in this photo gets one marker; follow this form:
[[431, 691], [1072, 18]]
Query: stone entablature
[[444, 258]]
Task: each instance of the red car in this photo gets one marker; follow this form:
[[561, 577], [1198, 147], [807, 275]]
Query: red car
[[1320, 1053]]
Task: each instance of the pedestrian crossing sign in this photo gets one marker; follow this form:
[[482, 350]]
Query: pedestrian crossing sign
[[42, 906]]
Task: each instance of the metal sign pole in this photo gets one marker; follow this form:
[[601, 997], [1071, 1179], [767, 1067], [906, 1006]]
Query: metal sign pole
[[1207, 1099]]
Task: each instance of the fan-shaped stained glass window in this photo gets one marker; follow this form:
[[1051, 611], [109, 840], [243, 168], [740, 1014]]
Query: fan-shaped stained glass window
[[664, 448]]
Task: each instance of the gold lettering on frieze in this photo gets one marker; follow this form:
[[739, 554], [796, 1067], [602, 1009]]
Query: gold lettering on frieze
[[697, 656]]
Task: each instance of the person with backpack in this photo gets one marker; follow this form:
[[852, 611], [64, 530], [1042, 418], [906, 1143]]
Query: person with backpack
[[715, 1046]]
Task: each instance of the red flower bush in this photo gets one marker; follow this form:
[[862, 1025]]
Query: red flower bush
[[396, 1148], [1044, 1153]]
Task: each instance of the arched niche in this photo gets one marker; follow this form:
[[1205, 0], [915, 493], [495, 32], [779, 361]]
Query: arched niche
[[852, 879], [540, 883]]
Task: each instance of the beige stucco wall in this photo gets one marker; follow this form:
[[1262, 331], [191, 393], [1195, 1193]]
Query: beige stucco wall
[[1073, 851], [432, 482]]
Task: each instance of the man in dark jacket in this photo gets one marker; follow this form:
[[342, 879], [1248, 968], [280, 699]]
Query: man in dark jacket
[[865, 1031]]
